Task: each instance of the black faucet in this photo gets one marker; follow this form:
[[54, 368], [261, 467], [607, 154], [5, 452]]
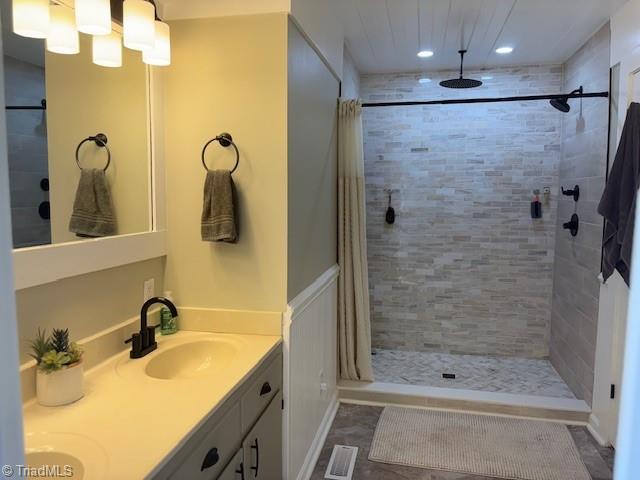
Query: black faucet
[[144, 342]]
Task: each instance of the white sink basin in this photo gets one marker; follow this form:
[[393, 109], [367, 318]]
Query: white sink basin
[[193, 359], [64, 455], [55, 465]]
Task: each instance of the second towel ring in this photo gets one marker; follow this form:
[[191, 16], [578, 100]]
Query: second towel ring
[[226, 140], [100, 140]]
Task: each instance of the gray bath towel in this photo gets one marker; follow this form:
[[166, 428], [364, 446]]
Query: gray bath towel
[[618, 202], [218, 209], [93, 214]]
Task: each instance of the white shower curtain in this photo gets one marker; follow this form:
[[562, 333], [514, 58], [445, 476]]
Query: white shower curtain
[[354, 326]]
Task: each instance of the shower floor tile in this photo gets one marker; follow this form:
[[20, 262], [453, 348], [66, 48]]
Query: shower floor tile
[[473, 372]]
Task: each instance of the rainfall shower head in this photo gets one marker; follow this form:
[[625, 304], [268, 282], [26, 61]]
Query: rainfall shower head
[[562, 103], [461, 82]]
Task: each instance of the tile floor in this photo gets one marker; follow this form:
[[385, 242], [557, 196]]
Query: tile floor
[[355, 425], [473, 372]]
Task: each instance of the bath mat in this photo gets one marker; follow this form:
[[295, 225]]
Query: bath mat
[[499, 447]]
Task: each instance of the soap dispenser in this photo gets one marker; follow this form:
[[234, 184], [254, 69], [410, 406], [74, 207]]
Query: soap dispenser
[[168, 324]]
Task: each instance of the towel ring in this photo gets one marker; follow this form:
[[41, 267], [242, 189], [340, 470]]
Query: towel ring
[[100, 140], [226, 140]]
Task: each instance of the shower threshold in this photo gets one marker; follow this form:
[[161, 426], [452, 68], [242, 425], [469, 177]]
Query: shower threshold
[[489, 385], [522, 376]]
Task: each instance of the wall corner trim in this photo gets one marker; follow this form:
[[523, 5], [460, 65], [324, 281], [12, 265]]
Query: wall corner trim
[[309, 294], [593, 426], [318, 441], [309, 332]]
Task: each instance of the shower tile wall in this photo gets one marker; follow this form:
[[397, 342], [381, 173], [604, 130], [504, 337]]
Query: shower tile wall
[[464, 269], [574, 316], [27, 145]]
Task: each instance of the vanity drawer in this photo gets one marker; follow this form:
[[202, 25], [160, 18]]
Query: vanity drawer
[[256, 399], [211, 454]]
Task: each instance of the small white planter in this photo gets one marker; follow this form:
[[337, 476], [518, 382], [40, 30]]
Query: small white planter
[[61, 387]]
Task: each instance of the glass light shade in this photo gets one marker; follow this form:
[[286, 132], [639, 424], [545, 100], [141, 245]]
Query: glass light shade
[[31, 18], [160, 54], [63, 36], [93, 16], [107, 50], [139, 24]]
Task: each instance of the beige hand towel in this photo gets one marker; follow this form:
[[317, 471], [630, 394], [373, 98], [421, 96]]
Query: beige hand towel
[[93, 214], [218, 210]]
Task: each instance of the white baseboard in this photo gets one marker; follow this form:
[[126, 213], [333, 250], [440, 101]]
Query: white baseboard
[[593, 426], [318, 442]]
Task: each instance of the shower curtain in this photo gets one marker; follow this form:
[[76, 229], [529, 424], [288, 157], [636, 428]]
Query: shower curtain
[[354, 326]]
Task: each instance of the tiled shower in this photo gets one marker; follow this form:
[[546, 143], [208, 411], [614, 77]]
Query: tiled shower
[[465, 281]]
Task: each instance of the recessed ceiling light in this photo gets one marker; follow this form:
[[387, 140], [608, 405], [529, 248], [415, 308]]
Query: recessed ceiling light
[[424, 80], [425, 54], [504, 50]]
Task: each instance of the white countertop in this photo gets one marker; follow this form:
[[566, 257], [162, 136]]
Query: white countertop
[[137, 422]]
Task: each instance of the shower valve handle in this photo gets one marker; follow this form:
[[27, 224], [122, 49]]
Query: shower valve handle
[[575, 193]]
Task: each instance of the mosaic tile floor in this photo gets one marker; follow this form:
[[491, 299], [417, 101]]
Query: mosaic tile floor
[[473, 372]]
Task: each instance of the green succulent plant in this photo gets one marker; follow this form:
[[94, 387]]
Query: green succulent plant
[[60, 340], [53, 361], [55, 352], [75, 353], [40, 346]]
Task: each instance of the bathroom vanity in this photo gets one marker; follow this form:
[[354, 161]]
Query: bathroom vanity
[[245, 433], [202, 406]]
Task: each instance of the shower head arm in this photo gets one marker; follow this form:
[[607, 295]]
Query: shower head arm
[[462, 52]]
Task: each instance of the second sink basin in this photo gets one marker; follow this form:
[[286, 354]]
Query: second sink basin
[[193, 359]]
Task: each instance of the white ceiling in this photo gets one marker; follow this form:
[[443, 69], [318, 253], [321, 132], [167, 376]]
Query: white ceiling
[[385, 35]]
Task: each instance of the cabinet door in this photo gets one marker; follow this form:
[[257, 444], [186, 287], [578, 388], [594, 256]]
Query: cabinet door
[[235, 469], [263, 445]]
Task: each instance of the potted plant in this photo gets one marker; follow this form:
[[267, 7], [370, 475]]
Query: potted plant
[[59, 374]]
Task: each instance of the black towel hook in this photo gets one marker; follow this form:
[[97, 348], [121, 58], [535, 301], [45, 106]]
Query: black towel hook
[[100, 140], [225, 140]]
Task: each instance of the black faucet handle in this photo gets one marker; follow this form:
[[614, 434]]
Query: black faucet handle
[[136, 341], [151, 335]]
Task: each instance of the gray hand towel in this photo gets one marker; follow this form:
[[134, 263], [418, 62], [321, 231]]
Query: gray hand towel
[[618, 202], [93, 214], [218, 210]]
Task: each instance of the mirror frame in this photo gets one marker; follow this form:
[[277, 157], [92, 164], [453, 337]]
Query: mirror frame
[[43, 264]]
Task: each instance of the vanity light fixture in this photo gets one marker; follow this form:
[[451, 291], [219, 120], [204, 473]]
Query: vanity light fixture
[[63, 35], [107, 50], [160, 54], [138, 23], [31, 18], [93, 16]]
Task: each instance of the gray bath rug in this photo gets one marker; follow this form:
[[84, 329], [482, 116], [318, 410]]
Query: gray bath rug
[[475, 444]]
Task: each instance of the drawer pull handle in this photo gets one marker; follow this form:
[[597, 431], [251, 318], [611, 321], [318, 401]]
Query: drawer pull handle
[[256, 447], [266, 388], [211, 458], [240, 470]]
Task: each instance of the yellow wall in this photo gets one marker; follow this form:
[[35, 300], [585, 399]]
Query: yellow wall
[[228, 75], [86, 304], [84, 99], [312, 165]]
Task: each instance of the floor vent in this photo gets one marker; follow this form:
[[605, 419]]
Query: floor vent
[[342, 463]]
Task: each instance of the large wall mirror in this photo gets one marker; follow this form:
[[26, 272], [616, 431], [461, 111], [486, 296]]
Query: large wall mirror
[[56, 105]]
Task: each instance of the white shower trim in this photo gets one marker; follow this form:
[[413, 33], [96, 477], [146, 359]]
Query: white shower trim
[[564, 410]]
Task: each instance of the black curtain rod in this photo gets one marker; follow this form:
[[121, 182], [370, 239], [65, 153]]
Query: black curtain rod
[[528, 98], [42, 106]]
